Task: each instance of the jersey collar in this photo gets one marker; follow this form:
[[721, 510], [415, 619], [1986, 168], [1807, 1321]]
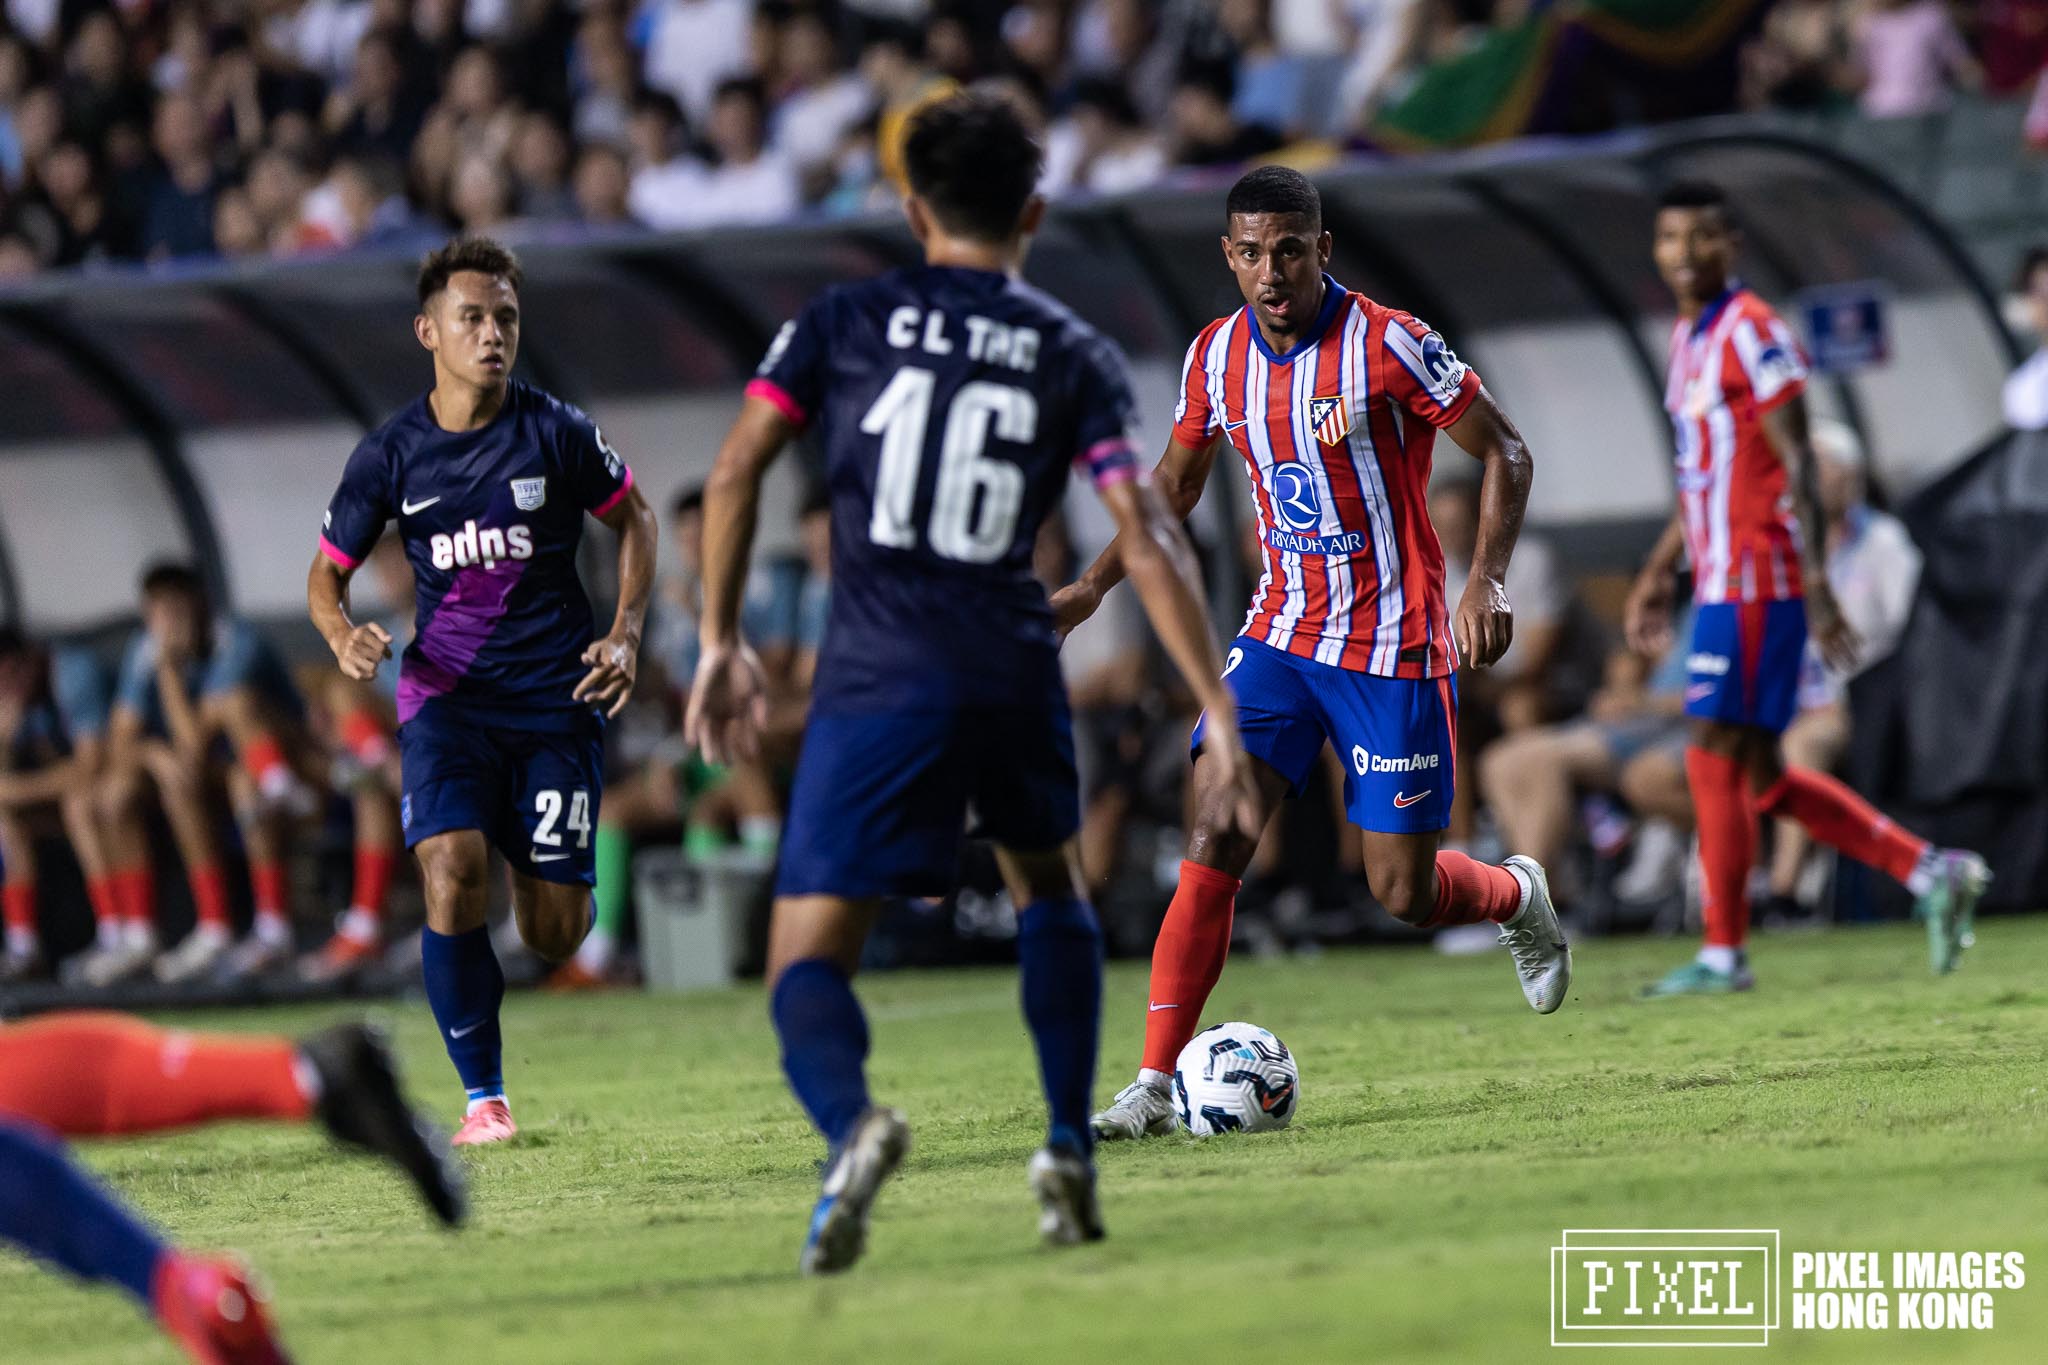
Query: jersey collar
[[1712, 312], [1333, 298]]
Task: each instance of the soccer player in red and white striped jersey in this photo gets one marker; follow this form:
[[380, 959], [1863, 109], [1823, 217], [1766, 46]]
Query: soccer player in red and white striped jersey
[[1749, 519], [1334, 402]]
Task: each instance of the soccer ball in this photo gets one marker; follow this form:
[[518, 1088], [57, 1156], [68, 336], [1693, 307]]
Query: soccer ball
[[1234, 1078]]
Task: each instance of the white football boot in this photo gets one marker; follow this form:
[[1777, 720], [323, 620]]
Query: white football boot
[[1542, 957], [839, 1223], [1140, 1109]]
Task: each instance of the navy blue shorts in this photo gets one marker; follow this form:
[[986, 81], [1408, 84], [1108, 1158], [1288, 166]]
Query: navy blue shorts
[[1397, 737], [532, 793], [881, 799], [1745, 663]]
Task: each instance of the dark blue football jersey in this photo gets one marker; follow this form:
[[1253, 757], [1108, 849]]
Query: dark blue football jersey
[[491, 519], [950, 405]]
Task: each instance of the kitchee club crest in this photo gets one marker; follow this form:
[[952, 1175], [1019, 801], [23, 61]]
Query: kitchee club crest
[[529, 494], [1330, 418]]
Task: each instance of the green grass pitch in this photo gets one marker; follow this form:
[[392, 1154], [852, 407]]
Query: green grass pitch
[[652, 1208]]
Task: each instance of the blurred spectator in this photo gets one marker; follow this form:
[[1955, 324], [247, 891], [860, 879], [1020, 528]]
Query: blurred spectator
[[747, 183], [1269, 81], [893, 65], [1909, 56], [667, 180], [237, 229], [319, 35], [100, 93], [18, 257], [276, 190], [1874, 569], [480, 195], [1801, 58], [692, 45], [2026, 388], [177, 209], [602, 182], [1120, 41], [373, 114], [38, 123], [16, 67], [1388, 39], [540, 168], [66, 214], [816, 102], [1205, 131], [372, 209], [1102, 146], [2012, 40]]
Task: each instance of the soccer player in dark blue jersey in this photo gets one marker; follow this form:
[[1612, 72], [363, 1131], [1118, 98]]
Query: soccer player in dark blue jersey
[[951, 400], [499, 694]]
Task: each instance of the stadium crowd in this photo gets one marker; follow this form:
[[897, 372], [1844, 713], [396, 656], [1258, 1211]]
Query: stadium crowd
[[247, 128]]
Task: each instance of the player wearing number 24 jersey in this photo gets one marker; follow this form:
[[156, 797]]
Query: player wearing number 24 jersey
[[1334, 401], [951, 401]]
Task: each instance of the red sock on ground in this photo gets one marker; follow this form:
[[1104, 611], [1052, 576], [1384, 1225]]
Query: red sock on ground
[[374, 867], [363, 735], [1843, 820], [105, 897], [1187, 959], [134, 894], [91, 1075], [1726, 821], [1471, 892], [209, 895], [262, 756], [268, 881], [18, 908]]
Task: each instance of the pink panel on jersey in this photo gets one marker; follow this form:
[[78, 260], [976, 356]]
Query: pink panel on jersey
[[603, 509], [770, 391]]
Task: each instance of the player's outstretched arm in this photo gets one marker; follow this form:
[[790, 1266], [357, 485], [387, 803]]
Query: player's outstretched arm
[[1786, 427], [729, 696], [1162, 567], [1484, 624], [357, 649], [615, 658], [1182, 474]]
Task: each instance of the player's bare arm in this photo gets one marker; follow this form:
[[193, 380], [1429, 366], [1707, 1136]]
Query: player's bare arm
[[188, 731], [1163, 569], [729, 696], [1786, 428], [1484, 624], [358, 649], [1178, 481], [614, 658], [1646, 618]]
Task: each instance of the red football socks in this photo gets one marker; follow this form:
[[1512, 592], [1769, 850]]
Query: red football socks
[[268, 881], [1471, 892], [374, 867], [134, 892], [18, 908], [94, 1075], [364, 736], [1187, 959], [262, 758], [1843, 820], [1726, 822], [106, 900], [209, 895]]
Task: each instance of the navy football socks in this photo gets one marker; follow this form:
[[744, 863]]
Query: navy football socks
[[53, 1210], [824, 1044], [465, 987], [1059, 951]]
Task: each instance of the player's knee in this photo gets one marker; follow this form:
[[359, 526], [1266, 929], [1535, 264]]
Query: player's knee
[[555, 929], [117, 794]]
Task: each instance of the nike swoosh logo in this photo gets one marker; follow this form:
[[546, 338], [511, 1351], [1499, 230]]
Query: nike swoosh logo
[[1403, 802], [408, 508], [548, 857], [1154, 1009], [465, 1032], [1237, 426]]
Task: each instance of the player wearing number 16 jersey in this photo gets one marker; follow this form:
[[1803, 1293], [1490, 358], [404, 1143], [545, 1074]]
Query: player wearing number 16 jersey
[[500, 740], [952, 401], [1334, 401]]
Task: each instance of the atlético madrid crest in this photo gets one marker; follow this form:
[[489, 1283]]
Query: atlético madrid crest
[[529, 494], [1330, 418]]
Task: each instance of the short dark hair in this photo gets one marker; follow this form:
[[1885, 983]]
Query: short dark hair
[[972, 160], [1694, 194], [1275, 189], [2030, 264], [480, 254], [691, 499], [171, 576]]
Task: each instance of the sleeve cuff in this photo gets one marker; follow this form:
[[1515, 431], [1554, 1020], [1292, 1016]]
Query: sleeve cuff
[[1467, 393], [1787, 391], [618, 496], [771, 392], [339, 555], [1109, 462]]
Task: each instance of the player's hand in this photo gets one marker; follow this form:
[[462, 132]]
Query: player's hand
[[1072, 605], [361, 650], [613, 660], [1222, 746], [1646, 619], [728, 703], [1485, 625], [1832, 634]]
